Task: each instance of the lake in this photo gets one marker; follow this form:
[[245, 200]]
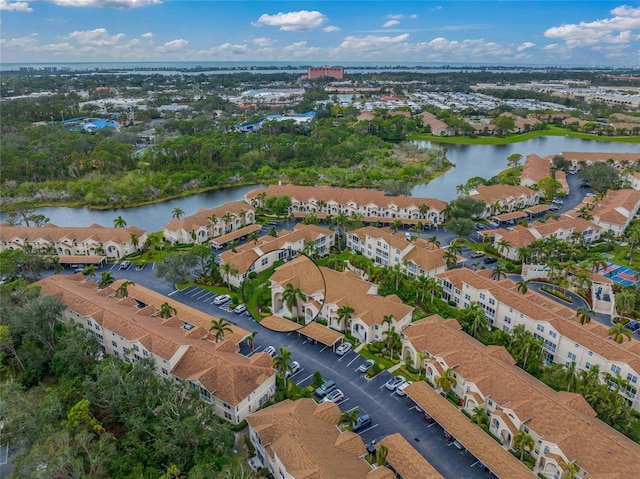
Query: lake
[[470, 161]]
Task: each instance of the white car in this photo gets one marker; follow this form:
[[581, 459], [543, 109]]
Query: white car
[[400, 389], [225, 298], [271, 351], [590, 195], [295, 367], [334, 396], [394, 382], [343, 349], [241, 308]]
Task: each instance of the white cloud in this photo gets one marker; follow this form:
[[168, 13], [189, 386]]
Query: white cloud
[[395, 17], [22, 43], [147, 35], [263, 42], [525, 45], [331, 28], [174, 45], [15, 6], [300, 49], [413, 16], [119, 4], [437, 8], [226, 50], [98, 37], [293, 21], [617, 29], [442, 49], [370, 42], [390, 23]]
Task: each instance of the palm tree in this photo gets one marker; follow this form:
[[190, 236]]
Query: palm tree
[[119, 222], [90, 270], [625, 301], [522, 344], [106, 278], [434, 241], [243, 217], [135, 241], [619, 333], [253, 237], [461, 189], [227, 218], [523, 286], [584, 315], [123, 289], [523, 441], [229, 270], [502, 246], [177, 213], [350, 418], [450, 257], [166, 310], [290, 296], [480, 417], [392, 339], [569, 470], [321, 205], [499, 272], [424, 210], [395, 225], [434, 287], [214, 221], [421, 356], [446, 381], [250, 340], [282, 363], [344, 315], [220, 327], [571, 376], [475, 318]]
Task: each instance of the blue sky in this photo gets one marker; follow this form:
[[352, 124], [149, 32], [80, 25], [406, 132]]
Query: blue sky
[[552, 32]]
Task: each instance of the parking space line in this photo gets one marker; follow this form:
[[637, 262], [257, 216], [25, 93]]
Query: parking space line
[[206, 296], [197, 291], [173, 292], [352, 409], [303, 380], [324, 348], [344, 401], [353, 360], [368, 429]]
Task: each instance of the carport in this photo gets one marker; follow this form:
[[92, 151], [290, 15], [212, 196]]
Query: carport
[[279, 324], [221, 241], [537, 209], [320, 333], [513, 216], [77, 259], [483, 447]]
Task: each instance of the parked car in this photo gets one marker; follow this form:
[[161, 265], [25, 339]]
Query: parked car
[[457, 444], [343, 349], [400, 389], [241, 308], [295, 367], [477, 254], [125, 264], [490, 260], [394, 382], [585, 185], [225, 298], [364, 367], [428, 418], [334, 396], [371, 446], [447, 435], [590, 195], [362, 423], [325, 388], [632, 325], [270, 350]]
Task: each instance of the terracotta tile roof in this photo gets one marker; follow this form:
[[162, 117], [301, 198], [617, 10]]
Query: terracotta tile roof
[[616, 206], [514, 215], [340, 288], [408, 462], [491, 194], [245, 230], [553, 225], [478, 442], [227, 374], [276, 323], [321, 333], [600, 156], [200, 218], [381, 473], [396, 241], [345, 195], [535, 168], [305, 439], [70, 259], [80, 234]]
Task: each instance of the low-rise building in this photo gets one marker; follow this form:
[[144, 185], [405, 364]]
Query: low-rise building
[[416, 257], [133, 327], [616, 210], [371, 205], [94, 240], [324, 291], [564, 427], [504, 198], [300, 439], [633, 178], [207, 224], [564, 338], [261, 254], [580, 159], [535, 168]]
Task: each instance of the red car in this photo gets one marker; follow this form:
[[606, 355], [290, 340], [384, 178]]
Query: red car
[[447, 435], [428, 418]]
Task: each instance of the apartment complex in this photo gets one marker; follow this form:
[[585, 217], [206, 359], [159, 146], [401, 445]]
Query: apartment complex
[[325, 290], [633, 178], [325, 71], [563, 425], [616, 210], [564, 338], [535, 168], [181, 345], [371, 205], [94, 240], [207, 224], [504, 198], [580, 159], [296, 439], [416, 258], [261, 254]]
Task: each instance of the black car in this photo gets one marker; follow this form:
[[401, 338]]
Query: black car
[[490, 260]]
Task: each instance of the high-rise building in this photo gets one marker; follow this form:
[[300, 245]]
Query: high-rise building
[[326, 71]]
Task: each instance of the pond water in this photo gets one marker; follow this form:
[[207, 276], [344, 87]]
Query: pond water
[[470, 161]]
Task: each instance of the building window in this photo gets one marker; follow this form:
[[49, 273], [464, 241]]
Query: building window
[[145, 353], [572, 356], [89, 323], [135, 347], [540, 328], [492, 301], [632, 378], [165, 372], [116, 354], [264, 261], [228, 416], [467, 297], [114, 344], [546, 450], [588, 365], [507, 319], [97, 326], [615, 369], [553, 334], [482, 296]]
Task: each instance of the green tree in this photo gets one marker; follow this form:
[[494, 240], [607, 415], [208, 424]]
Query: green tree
[[123, 288], [350, 418], [571, 376], [282, 363], [166, 310], [523, 286], [499, 272], [220, 327], [290, 296], [549, 187], [523, 441], [90, 270], [446, 381], [480, 417], [463, 227], [601, 176], [119, 222], [619, 333], [177, 266], [474, 319], [626, 301], [465, 207], [345, 313], [513, 160], [106, 279], [584, 315]]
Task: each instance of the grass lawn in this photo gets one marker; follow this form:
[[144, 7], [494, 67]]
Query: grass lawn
[[494, 140], [365, 353]]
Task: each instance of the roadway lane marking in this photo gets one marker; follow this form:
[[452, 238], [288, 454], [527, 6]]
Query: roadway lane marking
[[343, 401], [197, 291], [254, 351], [173, 292], [353, 360], [303, 380]]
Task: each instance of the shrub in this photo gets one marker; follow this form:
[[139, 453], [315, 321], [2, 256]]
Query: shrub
[[377, 368], [556, 293], [253, 275], [373, 349]]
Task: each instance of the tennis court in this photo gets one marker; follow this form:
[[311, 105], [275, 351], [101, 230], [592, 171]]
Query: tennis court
[[620, 274]]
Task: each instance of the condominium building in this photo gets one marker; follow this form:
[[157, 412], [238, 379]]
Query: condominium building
[[616, 210], [183, 349], [564, 338], [371, 205], [564, 427], [300, 439], [580, 159], [261, 254], [416, 257], [535, 168], [325, 71], [94, 240], [504, 198], [207, 224], [325, 291], [633, 179]]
